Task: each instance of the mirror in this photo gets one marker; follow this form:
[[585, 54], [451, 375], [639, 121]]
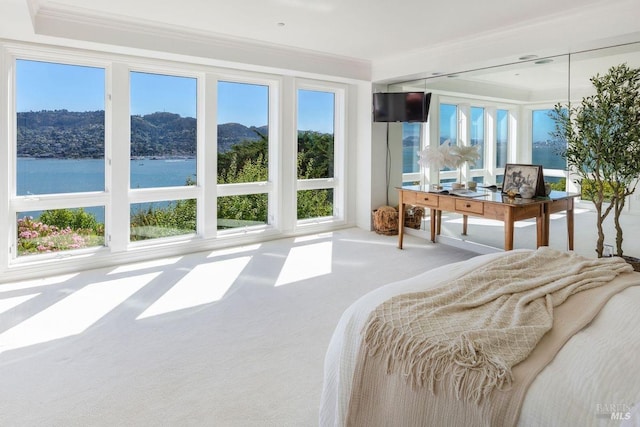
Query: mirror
[[504, 110]]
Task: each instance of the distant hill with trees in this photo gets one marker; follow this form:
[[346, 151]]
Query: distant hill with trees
[[68, 134], [243, 158]]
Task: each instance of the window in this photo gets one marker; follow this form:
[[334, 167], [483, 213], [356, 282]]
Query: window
[[315, 165], [502, 137], [163, 153], [60, 128], [163, 219], [411, 146], [546, 151], [163, 130], [477, 135], [448, 123], [243, 153], [448, 128], [60, 152], [58, 230], [109, 156]]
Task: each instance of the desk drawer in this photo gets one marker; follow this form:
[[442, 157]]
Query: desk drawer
[[471, 206], [426, 199], [559, 205], [409, 197]]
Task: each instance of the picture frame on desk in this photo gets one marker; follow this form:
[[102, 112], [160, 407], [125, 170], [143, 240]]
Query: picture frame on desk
[[516, 175]]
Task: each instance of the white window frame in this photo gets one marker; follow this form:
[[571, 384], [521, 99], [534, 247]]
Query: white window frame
[[269, 187], [415, 176], [282, 185], [337, 182], [43, 202], [120, 238]]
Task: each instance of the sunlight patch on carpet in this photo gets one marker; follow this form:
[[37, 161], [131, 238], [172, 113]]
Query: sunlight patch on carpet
[[305, 262], [7, 304], [163, 262], [205, 283], [73, 314]]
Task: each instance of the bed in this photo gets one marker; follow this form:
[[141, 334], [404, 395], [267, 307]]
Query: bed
[[593, 380]]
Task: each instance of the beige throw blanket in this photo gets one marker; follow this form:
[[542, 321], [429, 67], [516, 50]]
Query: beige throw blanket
[[462, 339]]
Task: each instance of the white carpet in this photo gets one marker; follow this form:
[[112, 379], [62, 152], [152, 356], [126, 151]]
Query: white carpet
[[227, 338]]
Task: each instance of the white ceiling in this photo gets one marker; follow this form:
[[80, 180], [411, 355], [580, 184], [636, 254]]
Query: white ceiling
[[366, 40], [360, 29]]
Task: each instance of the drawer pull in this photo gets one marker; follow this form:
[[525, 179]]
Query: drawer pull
[[467, 205]]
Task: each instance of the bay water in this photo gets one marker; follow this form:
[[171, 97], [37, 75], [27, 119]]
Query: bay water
[[52, 176]]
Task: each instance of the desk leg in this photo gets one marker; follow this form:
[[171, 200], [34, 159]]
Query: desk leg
[[542, 227], [438, 222], [570, 222], [508, 229], [434, 219], [546, 224], [400, 220], [465, 221]]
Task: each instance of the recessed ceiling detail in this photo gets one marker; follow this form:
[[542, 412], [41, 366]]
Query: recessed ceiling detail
[[369, 30]]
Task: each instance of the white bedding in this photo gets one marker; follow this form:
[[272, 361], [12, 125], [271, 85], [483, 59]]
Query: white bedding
[[597, 372]]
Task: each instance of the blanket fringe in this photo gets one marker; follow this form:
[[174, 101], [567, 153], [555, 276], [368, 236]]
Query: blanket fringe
[[474, 374]]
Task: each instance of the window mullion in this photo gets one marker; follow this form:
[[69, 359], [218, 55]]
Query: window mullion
[[119, 148]]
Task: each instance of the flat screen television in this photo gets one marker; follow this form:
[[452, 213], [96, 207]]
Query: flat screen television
[[401, 106]]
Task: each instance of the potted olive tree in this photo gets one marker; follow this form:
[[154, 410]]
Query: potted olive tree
[[602, 133]]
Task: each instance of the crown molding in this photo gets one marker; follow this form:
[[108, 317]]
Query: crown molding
[[53, 19]]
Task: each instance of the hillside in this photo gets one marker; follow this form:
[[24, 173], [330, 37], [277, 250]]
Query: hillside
[[68, 134]]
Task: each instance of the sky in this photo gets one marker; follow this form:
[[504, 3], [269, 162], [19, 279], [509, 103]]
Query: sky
[[50, 86]]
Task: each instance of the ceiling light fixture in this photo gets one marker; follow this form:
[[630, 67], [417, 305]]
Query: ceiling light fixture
[[280, 24], [544, 61], [527, 57]]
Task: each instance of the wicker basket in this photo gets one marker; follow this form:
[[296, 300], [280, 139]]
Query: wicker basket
[[413, 217], [634, 262], [385, 220]]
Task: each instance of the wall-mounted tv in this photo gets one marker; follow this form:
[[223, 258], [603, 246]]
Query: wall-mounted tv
[[401, 106]]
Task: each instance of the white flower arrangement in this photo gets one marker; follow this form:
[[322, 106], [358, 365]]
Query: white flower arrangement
[[446, 155], [437, 156]]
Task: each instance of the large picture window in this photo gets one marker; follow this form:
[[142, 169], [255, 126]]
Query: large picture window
[[60, 150], [243, 153], [110, 155], [316, 137]]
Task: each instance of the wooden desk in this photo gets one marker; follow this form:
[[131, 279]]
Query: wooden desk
[[492, 205]]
